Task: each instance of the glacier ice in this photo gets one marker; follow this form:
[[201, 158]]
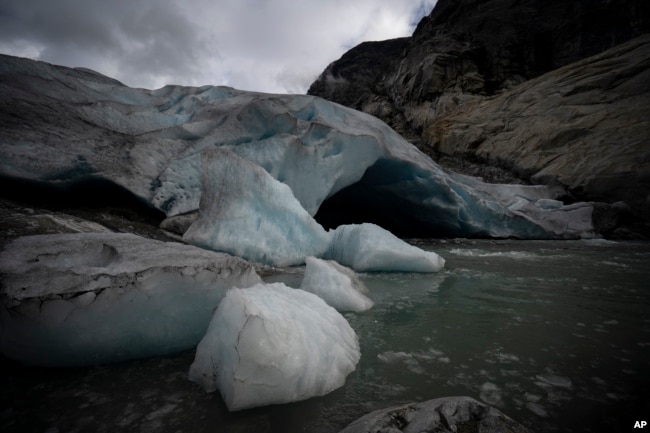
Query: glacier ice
[[337, 285], [91, 298], [270, 344], [155, 143], [246, 212], [368, 247]]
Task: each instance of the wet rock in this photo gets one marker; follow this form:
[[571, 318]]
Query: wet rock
[[441, 415]]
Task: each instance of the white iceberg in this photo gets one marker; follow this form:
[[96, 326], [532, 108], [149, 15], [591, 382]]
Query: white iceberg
[[337, 285], [93, 298], [367, 247], [271, 344]]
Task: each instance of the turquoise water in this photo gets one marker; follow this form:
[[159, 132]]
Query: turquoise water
[[555, 334]]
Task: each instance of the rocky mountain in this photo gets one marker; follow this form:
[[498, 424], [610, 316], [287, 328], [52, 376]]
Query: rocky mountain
[[450, 89]]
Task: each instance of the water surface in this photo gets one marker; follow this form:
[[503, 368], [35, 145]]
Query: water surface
[[554, 334]]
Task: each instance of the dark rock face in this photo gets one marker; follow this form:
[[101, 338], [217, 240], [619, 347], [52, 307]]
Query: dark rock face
[[448, 414], [467, 52], [364, 63], [584, 126], [480, 47]]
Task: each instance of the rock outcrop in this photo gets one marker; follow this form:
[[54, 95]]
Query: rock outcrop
[[585, 126], [442, 415], [467, 52]]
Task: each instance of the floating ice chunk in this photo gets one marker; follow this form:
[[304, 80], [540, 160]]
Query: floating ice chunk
[[491, 394], [391, 357], [245, 212], [368, 247], [272, 344], [546, 380], [337, 285], [537, 409], [89, 298]]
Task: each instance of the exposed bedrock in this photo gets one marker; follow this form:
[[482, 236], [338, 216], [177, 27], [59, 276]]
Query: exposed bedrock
[[518, 91], [443, 415]]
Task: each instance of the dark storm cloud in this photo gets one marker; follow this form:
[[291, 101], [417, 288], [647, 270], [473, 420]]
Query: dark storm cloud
[[268, 45]]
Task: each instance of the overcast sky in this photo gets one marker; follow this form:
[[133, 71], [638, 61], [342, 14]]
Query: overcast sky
[[264, 45]]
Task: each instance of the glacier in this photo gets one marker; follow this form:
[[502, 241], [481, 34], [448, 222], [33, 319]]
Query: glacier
[[246, 212], [337, 285], [94, 298], [63, 127], [270, 344]]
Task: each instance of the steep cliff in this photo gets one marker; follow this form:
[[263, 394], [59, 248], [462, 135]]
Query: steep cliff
[[446, 81]]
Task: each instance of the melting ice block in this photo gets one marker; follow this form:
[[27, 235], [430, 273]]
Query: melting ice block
[[367, 247], [271, 344], [90, 298], [337, 285]]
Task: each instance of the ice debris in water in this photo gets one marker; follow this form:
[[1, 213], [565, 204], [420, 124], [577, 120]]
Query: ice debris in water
[[337, 285], [546, 380], [368, 247], [491, 394], [271, 344]]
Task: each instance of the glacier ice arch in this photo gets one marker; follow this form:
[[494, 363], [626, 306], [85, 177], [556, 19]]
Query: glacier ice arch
[[370, 200], [153, 143]]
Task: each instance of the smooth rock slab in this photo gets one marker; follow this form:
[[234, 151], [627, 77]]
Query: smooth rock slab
[[91, 298], [271, 344], [441, 415]]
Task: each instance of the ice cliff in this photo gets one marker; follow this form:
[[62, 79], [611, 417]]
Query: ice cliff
[[63, 127]]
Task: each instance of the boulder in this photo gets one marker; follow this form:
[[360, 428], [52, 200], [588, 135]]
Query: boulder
[[441, 415]]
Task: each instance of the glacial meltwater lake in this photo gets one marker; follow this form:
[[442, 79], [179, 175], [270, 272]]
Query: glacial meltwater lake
[[556, 334]]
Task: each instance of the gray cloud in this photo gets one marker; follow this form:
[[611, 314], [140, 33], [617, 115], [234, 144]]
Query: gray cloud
[[265, 45]]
